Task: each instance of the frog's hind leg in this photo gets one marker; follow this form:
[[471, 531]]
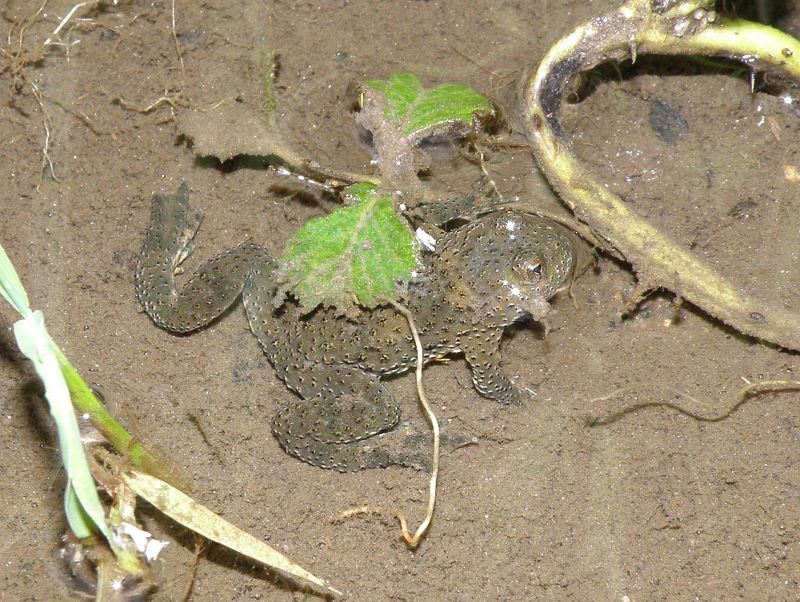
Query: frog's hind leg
[[210, 291], [336, 424], [346, 418]]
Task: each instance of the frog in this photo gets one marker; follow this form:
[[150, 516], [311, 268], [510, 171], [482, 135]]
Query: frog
[[476, 279]]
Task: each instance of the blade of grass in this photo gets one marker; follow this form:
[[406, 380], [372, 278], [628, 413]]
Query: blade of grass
[[83, 399], [11, 287], [80, 523], [86, 402], [200, 519], [84, 511], [36, 344]]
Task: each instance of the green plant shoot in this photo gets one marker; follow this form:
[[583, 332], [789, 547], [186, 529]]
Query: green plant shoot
[[83, 509], [419, 112]]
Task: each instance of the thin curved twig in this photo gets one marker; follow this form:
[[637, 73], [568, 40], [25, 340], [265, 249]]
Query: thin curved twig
[[698, 409], [413, 540]]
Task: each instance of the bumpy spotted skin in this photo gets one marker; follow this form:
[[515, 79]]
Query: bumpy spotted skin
[[483, 277], [210, 291]]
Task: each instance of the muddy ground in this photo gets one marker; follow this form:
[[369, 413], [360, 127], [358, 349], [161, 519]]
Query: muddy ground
[[653, 506]]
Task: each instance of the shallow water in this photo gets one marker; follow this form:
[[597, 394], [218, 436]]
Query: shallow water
[[654, 506]]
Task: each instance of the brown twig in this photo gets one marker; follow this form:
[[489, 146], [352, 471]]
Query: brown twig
[[693, 407], [178, 46], [188, 584], [413, 540]]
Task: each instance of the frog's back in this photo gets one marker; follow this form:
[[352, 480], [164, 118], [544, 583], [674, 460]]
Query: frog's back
[[485, 275], [378, 341]]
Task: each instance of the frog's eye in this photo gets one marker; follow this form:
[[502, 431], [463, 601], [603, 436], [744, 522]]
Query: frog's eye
[[530, 269]]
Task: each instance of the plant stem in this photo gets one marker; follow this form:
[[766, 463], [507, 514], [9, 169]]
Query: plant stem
[[642, 27], [413, 540], [86, 402]]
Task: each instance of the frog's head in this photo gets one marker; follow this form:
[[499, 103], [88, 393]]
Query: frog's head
[[511, 263]]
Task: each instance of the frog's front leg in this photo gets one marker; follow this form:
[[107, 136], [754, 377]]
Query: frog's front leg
[[210, 291], [482, 352]]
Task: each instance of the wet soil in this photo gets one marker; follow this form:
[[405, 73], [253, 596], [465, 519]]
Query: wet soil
[[655, 505]]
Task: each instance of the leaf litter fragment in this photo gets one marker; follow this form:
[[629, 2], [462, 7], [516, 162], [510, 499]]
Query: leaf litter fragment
[[232, 130], [180, 507]]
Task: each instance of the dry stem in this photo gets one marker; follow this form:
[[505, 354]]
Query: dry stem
[[16, 59], [199, 548], [53, 39], [696, 408], [177, 46], [638, 27], [413, 540], [173, 101]]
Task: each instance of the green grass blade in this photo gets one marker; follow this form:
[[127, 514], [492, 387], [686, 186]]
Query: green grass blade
[[86, 402], [35, 343], [83, 399], [11, 287], [80, 523]]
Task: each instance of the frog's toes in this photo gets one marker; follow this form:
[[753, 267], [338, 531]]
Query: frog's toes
[[173, 224], [507, 396], [338, 431], [497, 386], [412, 444], [343, 419]]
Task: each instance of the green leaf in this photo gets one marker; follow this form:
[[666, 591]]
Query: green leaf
[[401, 90], [420, 113], [356, 255]]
